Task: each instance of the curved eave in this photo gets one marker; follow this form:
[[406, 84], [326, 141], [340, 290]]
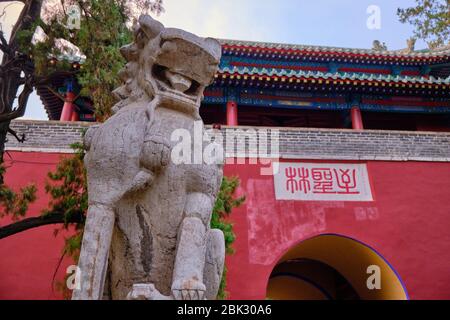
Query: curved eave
[[284, 75], [292, 52], [334, 50], [324, 83], [53, 104]]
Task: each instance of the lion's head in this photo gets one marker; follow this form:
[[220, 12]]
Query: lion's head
[[169, 64]]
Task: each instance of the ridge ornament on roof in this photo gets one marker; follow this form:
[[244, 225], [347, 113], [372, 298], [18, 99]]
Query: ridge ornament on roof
[[253, 45]]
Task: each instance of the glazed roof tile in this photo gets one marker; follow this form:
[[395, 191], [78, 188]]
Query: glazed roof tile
[[333, 76], [440, 52]]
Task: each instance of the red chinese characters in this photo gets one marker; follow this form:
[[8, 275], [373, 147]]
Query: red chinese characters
[[321, 180], [301, 181]]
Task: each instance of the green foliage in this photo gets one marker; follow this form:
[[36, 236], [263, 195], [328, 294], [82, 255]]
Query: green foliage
[[223, 207], [103, 30], [15, 203], [100, 39], [431, 19], [67, 188]]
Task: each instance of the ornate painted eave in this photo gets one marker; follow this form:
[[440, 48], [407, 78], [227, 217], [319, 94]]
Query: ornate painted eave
[[324, 53], [318, 70], [292, 74]]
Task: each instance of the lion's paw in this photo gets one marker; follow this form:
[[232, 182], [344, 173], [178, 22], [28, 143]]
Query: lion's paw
[[145, 291], [188, 290]]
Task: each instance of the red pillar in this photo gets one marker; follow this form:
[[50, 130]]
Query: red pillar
[[68, 108], [232, 114], [357, 122], [75, 116]]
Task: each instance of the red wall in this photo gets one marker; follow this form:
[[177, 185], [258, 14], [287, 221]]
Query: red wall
[[408, 223], [29, 259]]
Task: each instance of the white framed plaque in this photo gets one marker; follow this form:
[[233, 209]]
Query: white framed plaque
[[322, 182]]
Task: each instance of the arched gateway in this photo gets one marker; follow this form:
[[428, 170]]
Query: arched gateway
[[334, 267]]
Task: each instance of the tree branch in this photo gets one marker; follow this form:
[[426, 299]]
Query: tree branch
[[4, 44], [15, 135], [31, 11], [35, 222], [20, 110]]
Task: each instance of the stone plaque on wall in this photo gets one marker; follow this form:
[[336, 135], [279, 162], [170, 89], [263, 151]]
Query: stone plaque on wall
[[322, 182]]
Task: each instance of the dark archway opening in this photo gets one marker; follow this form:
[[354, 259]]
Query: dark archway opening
[[334, 267], [310, 279]]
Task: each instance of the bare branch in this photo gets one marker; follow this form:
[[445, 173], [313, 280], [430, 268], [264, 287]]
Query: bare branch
[[35, 222], [20, 110], [4, 44], [15, 135]]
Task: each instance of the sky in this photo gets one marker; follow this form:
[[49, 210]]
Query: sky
[[339, 23]]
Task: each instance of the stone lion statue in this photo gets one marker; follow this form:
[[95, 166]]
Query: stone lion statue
[[147, 234]]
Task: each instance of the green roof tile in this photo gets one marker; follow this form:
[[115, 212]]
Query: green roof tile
[[440, 52], [334, 76]]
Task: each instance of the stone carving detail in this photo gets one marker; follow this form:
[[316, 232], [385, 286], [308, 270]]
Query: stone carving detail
[[410, 46], [378, 46], [147, 233]]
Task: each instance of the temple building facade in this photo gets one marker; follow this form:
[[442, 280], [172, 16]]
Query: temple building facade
[[349, 201]]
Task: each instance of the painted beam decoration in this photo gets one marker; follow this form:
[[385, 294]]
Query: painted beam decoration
[[269, 65], [259, 74], [322, 182], [330, 73]]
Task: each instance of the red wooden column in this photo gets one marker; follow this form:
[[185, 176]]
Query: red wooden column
[[357, 122], [75, 116], [232, 114], [68, 108]]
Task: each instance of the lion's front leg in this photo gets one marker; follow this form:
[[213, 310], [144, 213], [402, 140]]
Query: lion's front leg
[[187, 281], [93, 262], [155, 156]]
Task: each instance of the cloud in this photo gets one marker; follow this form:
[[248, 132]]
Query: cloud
[[233, 19], [10, 12]]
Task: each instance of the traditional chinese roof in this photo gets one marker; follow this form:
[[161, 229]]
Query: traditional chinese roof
[[292, 74], [52, 92], [286, 66], [301, 68], [279, 50]]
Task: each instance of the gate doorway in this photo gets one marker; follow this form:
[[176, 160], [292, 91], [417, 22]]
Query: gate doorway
[[333, 267]]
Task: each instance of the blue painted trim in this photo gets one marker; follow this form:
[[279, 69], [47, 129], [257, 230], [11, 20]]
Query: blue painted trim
[[288, 104], [405, 109], [236, 94], [306, 105], [425, 70], [333, 66], [296, 63], [69, 84], [396, 70], [214, 100]]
